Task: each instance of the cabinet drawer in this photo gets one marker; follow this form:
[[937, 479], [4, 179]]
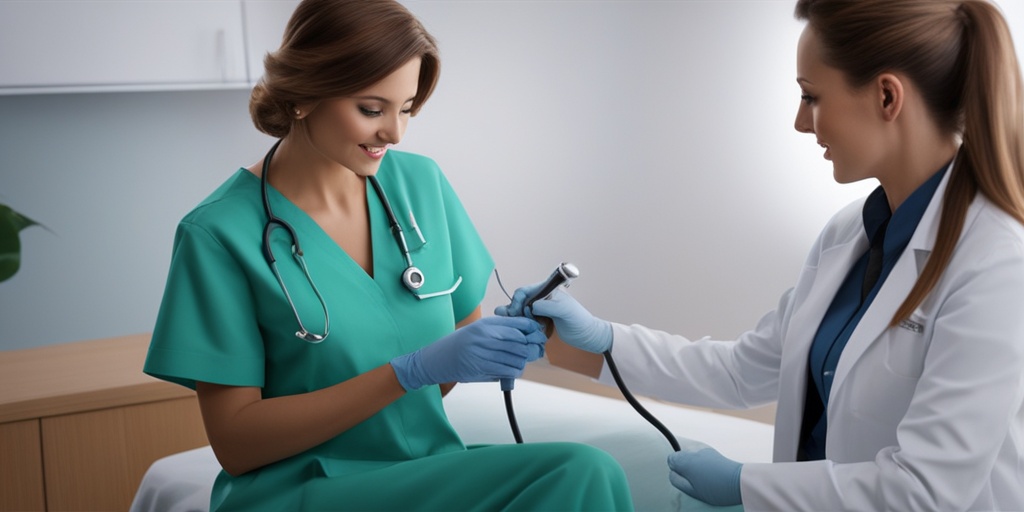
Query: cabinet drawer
[[21, 464], [95, 460]]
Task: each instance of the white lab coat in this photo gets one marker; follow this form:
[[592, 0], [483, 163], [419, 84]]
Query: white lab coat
[[926, 416]]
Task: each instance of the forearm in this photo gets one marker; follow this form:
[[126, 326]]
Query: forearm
[[248, 432], [566, 356]]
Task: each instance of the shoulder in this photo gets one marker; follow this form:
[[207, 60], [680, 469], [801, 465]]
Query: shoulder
[[237, 202], [404, 166], [415, 177], [991, 232], [846, 225]]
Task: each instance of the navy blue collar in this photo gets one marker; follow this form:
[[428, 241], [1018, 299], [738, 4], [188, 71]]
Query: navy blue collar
[[903, 222]]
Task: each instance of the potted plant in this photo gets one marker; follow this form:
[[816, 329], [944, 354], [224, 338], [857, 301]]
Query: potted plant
[[11, 223]]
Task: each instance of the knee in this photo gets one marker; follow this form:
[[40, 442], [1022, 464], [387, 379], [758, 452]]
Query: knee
[[585, 459]]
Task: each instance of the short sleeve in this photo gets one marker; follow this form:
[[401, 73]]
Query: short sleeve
[[470, 257], [206, 328]]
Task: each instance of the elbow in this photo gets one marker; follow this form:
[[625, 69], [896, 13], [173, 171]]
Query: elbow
[[233, 466], [232, 458]]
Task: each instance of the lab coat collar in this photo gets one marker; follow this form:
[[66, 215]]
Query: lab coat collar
[[896, 286]]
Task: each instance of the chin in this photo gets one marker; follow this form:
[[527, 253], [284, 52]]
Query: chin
[[844, 176], [365, 170]]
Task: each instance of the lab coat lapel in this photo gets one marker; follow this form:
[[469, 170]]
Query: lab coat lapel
[[833, 265], [895, 288]]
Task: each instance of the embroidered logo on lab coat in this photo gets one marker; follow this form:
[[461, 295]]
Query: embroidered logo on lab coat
[[912, 326]]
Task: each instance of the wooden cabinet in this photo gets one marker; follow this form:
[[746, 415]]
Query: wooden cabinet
[[80, 424]]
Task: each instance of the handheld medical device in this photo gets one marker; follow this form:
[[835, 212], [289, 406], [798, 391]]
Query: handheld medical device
[[563, 275]]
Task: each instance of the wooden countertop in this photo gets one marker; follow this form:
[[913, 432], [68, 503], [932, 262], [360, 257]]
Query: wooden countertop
[[80, 376]]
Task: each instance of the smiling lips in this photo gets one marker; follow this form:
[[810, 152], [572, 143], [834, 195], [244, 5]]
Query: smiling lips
[[375, 152], [828, 151]]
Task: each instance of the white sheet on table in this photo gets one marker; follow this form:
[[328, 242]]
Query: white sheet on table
[[182, 482]]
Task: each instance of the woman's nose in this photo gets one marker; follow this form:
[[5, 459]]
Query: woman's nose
[[804, 123], [392, 129]]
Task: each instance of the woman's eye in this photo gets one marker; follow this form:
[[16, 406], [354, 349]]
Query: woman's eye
[[369, 112], [807, 98]]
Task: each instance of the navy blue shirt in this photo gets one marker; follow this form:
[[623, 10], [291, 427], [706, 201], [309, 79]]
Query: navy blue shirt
[[848, 306]]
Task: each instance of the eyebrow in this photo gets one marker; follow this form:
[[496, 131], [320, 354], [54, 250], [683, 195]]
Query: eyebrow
[[381, 99], [801, 80]]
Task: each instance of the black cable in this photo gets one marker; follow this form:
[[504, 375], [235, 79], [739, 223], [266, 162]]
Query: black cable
[[636, 405], [514, 425], [512, 417]]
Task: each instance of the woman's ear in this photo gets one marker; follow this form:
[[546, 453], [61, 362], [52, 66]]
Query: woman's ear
[[301, 111], [890, 95]]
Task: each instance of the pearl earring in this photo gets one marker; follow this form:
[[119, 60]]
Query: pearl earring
[[298, 113]]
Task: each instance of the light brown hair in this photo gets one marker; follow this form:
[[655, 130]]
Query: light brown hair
[[961, 57], [335, 48]]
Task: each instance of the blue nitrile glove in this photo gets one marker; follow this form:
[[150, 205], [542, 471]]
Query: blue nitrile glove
[[701, 472], [488, 349], [575, 325]]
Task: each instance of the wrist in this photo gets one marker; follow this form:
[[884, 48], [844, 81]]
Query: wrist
[[408, 371], [607, 336]]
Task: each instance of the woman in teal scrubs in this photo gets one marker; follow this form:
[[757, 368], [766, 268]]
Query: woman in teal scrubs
[[321, 378]]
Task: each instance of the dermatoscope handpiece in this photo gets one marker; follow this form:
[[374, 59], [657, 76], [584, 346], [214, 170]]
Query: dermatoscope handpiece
[[561, 276]]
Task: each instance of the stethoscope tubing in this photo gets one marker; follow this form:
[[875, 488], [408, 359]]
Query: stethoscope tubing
[[412, 277]]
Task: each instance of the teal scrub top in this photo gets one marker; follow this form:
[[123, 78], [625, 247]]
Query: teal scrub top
[[224, 319]]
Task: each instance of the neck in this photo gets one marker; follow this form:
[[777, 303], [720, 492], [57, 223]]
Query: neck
[[913, 169], [314, 182]]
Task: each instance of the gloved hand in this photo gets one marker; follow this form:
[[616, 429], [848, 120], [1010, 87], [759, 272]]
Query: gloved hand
[[700, 471], [575, 325], [488, 349]]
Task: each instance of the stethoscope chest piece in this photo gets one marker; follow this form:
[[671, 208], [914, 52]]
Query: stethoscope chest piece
[[412, 278]]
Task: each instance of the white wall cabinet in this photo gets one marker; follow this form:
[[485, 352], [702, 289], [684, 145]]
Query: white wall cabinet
[[126, 45], [265, 21]]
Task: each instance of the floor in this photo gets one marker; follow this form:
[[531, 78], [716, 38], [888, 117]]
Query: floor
[[544, 372]]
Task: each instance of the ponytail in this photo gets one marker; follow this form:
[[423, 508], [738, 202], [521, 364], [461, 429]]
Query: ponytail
[[991, 157]]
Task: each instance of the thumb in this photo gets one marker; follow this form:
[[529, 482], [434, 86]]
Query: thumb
[[551, 307], [680, 482]]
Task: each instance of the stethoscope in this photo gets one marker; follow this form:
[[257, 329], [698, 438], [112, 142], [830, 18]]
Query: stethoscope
[[412, 277]]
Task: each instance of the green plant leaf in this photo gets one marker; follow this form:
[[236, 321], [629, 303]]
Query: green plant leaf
[[11, 222]]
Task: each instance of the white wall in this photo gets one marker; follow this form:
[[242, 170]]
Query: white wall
[[649, 142]]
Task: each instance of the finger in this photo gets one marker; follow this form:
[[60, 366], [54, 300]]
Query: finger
[[502, 326], [503, 311], [548, 308], [514, 347], [523, 324], [502, 364], [680, 482], [535, 352], [498, 335], [537, 338], [518, 299]]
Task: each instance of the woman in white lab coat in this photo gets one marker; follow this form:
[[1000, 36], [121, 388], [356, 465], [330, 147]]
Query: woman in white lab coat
[[899, 375]]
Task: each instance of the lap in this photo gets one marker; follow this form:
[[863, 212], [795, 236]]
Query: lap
[[536, 477]]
